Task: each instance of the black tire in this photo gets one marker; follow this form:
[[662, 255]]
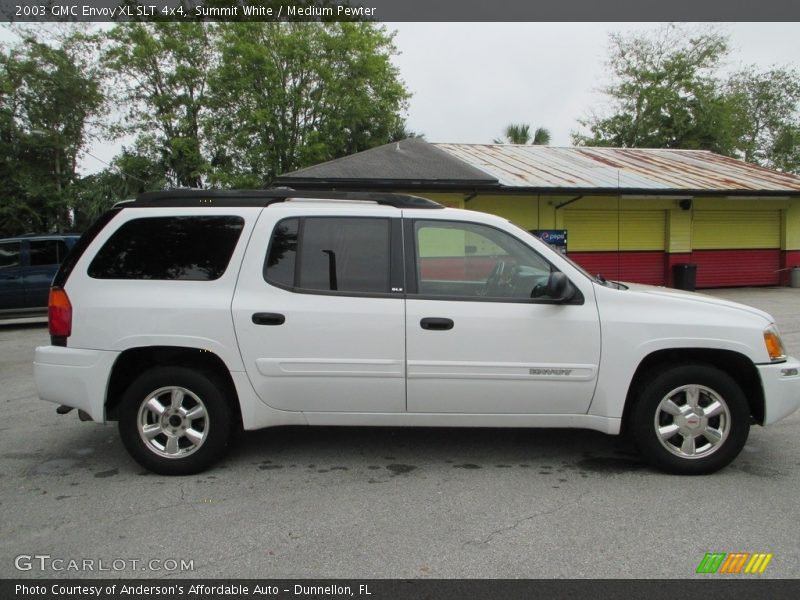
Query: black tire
[[718, 427], [190, 438]]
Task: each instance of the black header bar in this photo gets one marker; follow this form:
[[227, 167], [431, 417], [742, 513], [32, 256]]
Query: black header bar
[[708, 587]]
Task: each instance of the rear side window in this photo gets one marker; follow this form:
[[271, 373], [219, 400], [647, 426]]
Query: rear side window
[[177, 248], [9, 254], [282, 256], [47, 252], [330, 254]]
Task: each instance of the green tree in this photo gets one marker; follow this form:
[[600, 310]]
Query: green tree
[[664, 94], [159, 73], [129, 174], [771, 102], [786, 149], [310, 93], [49, 93], [521, 134]]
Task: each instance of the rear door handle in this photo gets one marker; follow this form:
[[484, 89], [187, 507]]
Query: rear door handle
[[268, 319], [436, 323]]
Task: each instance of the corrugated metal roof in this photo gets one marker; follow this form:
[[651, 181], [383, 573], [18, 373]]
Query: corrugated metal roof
[[619, 168]]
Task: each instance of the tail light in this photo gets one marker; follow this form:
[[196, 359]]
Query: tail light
[[59, 316]]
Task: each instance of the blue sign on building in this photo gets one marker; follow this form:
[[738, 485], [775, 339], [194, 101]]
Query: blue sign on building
[[555, 237]]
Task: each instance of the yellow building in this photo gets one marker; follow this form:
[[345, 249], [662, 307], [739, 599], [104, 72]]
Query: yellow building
[[629, 214]]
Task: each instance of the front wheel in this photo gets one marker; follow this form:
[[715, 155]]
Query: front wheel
[[174, 420], [691, 420]]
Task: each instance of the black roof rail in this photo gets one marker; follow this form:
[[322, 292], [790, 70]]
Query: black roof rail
[[197, 197]]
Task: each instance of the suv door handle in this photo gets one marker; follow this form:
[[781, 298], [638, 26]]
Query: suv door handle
[[436, 323], [268, 319]]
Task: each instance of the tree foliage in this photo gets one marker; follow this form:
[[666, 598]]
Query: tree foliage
[[521, 134], [310, 93], [224, 104], [133, 171], [770, 102], [160, 74], [668, 91], [48, 96], [664, 93]]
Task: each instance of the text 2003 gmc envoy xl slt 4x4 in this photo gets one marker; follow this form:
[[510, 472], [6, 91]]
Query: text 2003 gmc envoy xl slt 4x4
[[186, 314]]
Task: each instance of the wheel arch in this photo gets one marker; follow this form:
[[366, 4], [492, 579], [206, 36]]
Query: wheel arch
[[134, 361], [736, 365]]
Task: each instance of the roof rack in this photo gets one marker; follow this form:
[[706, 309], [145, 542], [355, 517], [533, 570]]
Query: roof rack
[[197, 197]]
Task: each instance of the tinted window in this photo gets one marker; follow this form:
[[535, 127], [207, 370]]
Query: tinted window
[[467, 259], [282, 256], [185, 248], [9, 254], [47, 252], [331, 254]]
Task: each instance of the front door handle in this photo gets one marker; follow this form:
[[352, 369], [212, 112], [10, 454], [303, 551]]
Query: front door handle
[[268, 319], [436, 323]]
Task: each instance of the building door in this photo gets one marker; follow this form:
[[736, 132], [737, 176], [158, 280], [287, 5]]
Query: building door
[[735, 248]]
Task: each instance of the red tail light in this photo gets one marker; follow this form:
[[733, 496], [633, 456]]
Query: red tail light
[[59, 313]]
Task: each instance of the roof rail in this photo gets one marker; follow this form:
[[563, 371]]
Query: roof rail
[[197, 197]]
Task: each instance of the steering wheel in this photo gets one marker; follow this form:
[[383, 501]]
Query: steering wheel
[[499, 278]]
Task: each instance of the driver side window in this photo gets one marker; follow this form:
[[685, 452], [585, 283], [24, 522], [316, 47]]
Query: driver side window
[[459, 259]]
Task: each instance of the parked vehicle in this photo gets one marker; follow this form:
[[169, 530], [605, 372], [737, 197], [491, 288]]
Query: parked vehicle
[[186, 314], [27, 266]]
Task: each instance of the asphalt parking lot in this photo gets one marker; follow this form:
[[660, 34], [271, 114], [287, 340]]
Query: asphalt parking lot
[[405, 503]]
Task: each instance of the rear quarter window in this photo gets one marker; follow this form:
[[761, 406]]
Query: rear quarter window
[[47, 252], [192, 248]]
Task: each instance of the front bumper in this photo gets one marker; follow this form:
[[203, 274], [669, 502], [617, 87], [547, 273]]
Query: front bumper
[[74, 377], [781, 385]]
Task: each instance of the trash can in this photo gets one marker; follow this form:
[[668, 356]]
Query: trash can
[[685, 276], [794, 278]]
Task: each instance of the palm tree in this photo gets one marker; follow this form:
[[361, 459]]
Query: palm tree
[[521, 134]]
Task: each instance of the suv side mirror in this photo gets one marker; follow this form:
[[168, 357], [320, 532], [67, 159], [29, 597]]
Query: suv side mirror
[[559, 287]]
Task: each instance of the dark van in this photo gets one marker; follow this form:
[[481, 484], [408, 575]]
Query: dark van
[[27, 266]]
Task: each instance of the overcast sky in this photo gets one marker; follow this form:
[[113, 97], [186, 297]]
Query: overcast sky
[[469, 80]]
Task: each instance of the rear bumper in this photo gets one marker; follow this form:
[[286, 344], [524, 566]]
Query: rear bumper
[[74, 377], [781, 384]]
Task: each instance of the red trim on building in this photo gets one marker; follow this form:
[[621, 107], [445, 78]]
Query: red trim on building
[[730, 268], [637, 267], [715, 268], [457, 268]]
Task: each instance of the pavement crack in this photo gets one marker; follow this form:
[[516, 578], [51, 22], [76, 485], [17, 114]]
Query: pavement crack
[[518, 522]]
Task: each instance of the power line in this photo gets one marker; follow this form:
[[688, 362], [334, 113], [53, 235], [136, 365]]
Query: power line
[[115, 167]]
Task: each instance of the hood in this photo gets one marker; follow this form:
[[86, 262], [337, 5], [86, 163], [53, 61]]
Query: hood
[[682, 295]]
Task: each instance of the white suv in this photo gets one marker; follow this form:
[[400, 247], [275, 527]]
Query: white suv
[[186, 314]]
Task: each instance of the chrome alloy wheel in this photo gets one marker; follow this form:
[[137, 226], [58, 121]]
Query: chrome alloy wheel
[[173, 422], [692, 421]]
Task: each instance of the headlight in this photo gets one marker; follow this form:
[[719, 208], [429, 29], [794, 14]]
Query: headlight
[[772, 339]]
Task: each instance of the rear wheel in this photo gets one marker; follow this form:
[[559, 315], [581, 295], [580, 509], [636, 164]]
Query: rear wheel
[[174, 420], [691, 420]]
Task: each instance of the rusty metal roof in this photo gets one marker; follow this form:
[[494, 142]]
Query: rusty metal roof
[[646, 170]]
